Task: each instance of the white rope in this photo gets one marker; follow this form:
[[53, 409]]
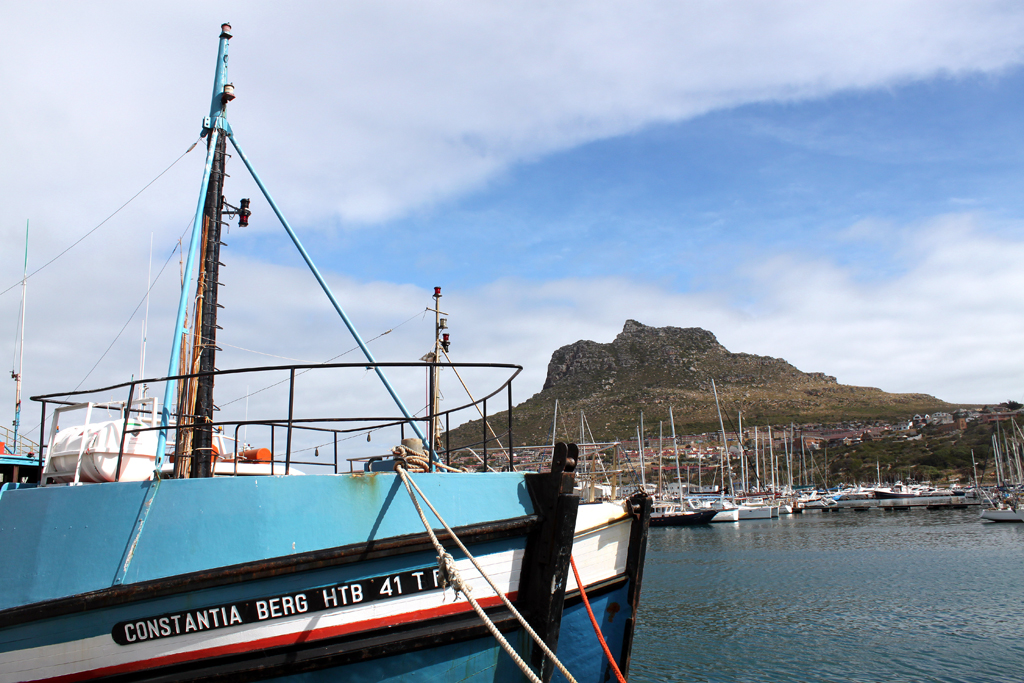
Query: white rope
[[450, 577], [407, 480], [415, 461]]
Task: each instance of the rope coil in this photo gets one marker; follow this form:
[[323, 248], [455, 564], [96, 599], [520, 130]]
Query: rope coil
[[417, 461]]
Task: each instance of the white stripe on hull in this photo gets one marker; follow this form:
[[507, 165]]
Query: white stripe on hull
[[600, 552], [101, 652]]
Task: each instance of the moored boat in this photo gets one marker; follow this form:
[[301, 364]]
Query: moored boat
[[157, 547], [996, 515], [676, 514]]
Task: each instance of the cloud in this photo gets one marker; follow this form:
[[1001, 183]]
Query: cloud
[[365, 111], [357, 113], [943, 326]]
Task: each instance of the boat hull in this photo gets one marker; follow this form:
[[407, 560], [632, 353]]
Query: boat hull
[[610, 559], [1013, 516], [287, 607], [731, 515], [758, 512], [687, 518]]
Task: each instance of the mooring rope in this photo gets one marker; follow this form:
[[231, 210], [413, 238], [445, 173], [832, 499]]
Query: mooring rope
[[593, 621], [415, 461], [451, 576]]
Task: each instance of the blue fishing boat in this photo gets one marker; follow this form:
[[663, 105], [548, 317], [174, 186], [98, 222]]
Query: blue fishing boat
[[170, 541]]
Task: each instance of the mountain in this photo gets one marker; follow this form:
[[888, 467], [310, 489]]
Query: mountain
[[652, 368]]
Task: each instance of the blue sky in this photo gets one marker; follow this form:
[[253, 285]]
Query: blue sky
[[680, 204], [837, 184]]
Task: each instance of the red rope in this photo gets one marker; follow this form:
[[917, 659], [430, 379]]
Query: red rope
[[593, 620]]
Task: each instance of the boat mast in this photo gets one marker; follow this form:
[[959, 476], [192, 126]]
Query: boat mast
[[675, 448], [145, 319], [724, 462], [16, 376], [743, 459], [789, 458], [205, 229], [757, 461], [661, 450], [640, 446], [441, 343], [205, 344]]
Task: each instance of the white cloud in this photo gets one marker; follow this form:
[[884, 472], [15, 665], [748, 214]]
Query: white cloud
[[945, 326], [359, 112], [366, 110]]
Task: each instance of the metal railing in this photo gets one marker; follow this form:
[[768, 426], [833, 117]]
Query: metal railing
[[24, 447], [334, 428]]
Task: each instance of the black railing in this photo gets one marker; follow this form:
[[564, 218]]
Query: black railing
[[335, 426]]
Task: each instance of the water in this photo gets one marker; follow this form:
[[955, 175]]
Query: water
[[876, 596]]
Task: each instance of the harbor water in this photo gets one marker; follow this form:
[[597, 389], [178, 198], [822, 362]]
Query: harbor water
[[850, 596]]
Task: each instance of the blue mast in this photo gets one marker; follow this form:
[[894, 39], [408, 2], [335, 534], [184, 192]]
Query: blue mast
[[214, 125]]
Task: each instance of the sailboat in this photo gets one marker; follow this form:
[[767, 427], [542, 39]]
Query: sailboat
[[681, 512], [146, 553]]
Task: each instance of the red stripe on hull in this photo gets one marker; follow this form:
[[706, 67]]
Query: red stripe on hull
[[283, 640]]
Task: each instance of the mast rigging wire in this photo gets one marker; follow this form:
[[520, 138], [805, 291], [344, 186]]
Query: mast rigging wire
[[80, 239], [329, 360], [132, 316]]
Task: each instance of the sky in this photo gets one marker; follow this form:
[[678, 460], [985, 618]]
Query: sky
[[833, 183]]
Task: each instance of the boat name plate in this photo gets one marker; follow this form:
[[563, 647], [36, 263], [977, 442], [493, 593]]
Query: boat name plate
[[293, 604]]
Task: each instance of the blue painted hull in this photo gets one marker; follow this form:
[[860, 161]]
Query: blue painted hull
[[580, 650], [614, 601], [257, 578]]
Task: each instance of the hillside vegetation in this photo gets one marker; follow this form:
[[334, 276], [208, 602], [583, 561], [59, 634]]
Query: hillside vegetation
[[650, 369]]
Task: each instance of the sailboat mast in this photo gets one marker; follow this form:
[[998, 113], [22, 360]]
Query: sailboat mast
[[757, 460], [743, 459], [640, 444], [643, 466], [724, 462], [661, 450], [145, 319], [675, 448], [16, 376]]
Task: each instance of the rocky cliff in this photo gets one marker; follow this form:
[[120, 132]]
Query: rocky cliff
[[653, 368]]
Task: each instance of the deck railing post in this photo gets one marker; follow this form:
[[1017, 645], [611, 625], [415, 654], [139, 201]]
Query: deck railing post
[[485, 435], [335, 452], [42, 441], [431, 436], [124, 429], [291, 410], [510, 459], [237, 452]]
